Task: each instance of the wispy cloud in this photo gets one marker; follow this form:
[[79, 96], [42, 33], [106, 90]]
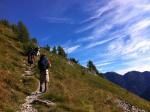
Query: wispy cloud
[[123, 26], [102, 64], [91, 45], [71, 49]]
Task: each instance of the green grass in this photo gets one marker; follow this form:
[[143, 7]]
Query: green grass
[[57, 97]]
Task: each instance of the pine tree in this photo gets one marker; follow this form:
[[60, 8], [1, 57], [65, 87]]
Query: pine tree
[[54, 51], [34, 41], [92, 67], [23, 33], [47, 47], [61, 52]]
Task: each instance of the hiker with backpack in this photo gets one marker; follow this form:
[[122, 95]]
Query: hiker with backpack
[[43, 65], [31, 57]]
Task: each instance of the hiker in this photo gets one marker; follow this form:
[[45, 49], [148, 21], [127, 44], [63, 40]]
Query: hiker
[[43, 66], [31, 58]]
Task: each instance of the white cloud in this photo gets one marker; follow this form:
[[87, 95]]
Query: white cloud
[[91, 45], [103, 64], [140, 68], [96, 34], [71, 49], [145, 7]]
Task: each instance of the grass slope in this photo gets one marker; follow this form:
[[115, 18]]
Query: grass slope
[[70, 87], [13, 87]]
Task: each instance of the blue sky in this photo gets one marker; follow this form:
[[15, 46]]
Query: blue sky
[[114, 34]]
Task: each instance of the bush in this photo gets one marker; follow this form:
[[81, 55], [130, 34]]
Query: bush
[[74, 60]]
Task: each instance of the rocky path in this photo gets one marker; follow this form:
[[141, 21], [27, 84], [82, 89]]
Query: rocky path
[[126, 107], [27, 106], [33, 98]]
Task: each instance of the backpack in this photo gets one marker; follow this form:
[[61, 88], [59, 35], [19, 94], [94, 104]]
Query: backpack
[[43, 64], [30, 56]]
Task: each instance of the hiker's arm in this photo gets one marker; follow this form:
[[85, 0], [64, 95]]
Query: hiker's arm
[[50, 63]]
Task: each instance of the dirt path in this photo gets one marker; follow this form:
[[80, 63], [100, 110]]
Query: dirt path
[[27, 106]]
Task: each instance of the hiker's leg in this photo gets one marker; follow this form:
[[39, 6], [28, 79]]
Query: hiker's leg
[[46, 86], [41, 83]]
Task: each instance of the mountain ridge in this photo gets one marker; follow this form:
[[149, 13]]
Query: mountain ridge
[[134, 81]]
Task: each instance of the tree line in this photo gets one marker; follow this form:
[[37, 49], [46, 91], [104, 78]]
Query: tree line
[[22, 33], [56, 50], [61, 52]]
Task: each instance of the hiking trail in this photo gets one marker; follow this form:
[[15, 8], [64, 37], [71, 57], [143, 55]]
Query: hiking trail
[[33, 97]]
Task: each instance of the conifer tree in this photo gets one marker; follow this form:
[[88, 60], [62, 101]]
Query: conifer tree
[[23, 33], [61, 52], [92, 67], [54, 51], [47, 48]]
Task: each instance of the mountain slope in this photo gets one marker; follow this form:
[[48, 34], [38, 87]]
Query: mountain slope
[[71, 88], [134, 81]]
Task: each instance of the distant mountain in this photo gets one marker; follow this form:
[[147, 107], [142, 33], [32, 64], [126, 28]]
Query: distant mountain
[[146, 94], [134, 81]]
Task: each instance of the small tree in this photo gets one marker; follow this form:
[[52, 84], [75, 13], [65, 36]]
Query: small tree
[[92, 67], [61, 52], [54, 51], [23, 33], [34, 41], [47, 48], [74, 60]]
